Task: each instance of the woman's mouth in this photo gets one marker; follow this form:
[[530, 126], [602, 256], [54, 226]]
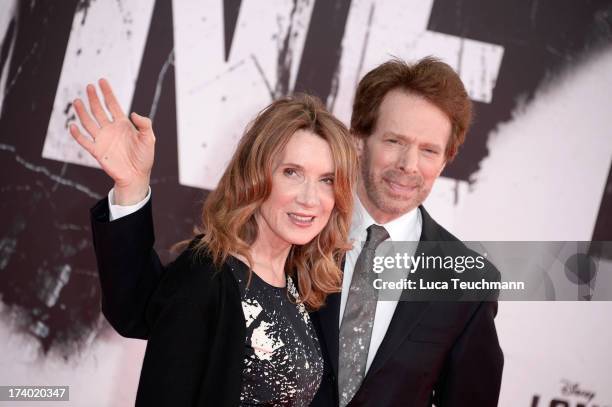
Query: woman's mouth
[[301, 219]]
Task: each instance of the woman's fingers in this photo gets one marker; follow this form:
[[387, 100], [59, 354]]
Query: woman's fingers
[[110, 100], [83, 141], [96, 106], [88, 123], [144, 125]]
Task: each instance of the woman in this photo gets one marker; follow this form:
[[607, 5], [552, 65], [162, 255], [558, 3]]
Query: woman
[[227, 324]]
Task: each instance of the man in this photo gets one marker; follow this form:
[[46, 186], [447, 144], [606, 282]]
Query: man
[[408, 122]]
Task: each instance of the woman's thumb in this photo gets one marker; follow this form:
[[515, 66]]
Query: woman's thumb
[[143, 124]]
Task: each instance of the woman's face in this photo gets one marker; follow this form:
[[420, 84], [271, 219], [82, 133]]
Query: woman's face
[[302, 196]]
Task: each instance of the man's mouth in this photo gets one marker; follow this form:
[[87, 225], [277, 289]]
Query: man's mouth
[[401, 188]]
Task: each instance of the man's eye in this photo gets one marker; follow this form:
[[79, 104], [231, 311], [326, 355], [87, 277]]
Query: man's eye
[[392, 141]]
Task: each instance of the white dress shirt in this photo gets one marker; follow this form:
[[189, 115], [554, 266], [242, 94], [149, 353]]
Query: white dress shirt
[[119, 211], [406, 228]]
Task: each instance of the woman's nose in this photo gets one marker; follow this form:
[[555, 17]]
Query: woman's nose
[[308, 194]]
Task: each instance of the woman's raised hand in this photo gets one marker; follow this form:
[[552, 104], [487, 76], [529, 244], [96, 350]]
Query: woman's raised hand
[[124, 152]]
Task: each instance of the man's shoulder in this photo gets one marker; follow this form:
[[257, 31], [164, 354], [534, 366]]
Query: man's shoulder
[[435, 232], [446, 236], [432, 230]]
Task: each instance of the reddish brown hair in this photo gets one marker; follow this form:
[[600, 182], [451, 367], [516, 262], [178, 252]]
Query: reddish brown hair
[[429, 78], [228, 216]]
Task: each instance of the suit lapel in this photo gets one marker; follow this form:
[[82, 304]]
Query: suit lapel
[[405, 318]]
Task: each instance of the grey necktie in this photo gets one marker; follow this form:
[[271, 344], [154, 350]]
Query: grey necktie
[[358, 318]]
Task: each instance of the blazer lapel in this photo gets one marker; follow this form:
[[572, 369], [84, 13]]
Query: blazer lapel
[[329, 317]]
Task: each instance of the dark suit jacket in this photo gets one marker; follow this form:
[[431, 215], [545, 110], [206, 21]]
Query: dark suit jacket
[[445, 353]]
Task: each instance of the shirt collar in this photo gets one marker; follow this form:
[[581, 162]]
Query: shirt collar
[[405, 228]]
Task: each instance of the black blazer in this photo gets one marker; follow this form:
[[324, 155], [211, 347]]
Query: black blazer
[[445, 353], [190, 313]]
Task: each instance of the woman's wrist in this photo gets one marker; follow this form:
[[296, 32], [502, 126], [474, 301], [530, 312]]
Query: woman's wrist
[[131, 194]]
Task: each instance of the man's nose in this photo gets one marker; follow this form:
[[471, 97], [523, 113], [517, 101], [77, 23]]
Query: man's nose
[[308, 195], [408, 159]]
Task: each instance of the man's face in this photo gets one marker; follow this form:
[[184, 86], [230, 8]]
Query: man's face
[[403, 157]]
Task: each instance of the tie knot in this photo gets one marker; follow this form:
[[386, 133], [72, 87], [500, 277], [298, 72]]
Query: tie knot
[[376, 235]]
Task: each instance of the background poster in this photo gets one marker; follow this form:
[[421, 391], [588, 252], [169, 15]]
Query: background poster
[[536, 164]]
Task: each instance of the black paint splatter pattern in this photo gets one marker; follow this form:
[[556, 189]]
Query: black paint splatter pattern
[[282, 362]]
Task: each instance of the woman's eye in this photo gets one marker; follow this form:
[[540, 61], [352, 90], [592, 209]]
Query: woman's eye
[[328, 181], [289, 172]]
